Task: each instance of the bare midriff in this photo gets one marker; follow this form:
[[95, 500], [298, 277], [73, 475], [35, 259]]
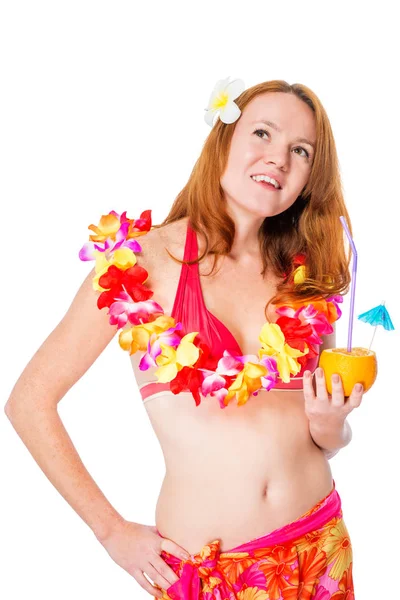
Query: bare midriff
[[237, 473]]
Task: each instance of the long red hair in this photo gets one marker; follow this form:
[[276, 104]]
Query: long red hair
[[310, 227]]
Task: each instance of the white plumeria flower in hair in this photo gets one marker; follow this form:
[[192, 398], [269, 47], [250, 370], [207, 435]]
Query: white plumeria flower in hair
[[222, 101]]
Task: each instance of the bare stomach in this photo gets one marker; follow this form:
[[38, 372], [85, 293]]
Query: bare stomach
[[237, 473]]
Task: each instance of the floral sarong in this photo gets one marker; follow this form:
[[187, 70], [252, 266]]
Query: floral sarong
[[308, 559]]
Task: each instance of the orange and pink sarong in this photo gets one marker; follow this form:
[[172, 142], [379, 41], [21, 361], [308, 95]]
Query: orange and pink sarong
[[308, 559]]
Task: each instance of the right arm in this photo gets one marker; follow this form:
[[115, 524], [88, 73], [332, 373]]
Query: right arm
[[62, 359], [66, 354]]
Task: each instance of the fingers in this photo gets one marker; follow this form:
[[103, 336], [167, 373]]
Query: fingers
[[308, 387], [322, 392], [161, 573], [174, 549], [337, 390], [158, 570], [153, 567], [145, 584], [355, 397], [338, 396]]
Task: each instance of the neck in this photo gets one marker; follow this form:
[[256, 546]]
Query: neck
[[245, 245]]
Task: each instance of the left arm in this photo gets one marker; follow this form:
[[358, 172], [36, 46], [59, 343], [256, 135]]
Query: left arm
[[328, 426]]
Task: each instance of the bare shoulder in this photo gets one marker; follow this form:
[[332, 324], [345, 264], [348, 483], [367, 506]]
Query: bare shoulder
[[163, 271], [156, 242]]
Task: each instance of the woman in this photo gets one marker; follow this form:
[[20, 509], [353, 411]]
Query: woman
[[235, 478]]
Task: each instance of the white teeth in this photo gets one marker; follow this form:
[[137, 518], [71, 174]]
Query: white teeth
[[267, 179]]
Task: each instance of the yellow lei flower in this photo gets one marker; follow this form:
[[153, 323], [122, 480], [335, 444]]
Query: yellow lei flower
[[137, 337], [273, 344], [171, 361]]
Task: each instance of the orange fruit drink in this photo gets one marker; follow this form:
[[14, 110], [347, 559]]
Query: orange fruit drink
[[357, 366]]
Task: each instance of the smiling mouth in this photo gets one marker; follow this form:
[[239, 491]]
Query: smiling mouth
[[267, 186]]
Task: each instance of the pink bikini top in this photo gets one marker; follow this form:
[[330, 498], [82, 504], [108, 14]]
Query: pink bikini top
[[189, 308]]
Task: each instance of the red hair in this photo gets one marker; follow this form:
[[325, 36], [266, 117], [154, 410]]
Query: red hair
[[309, 227]]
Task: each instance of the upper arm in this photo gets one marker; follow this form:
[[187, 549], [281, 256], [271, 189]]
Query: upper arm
[[329, 341], [67, 353]]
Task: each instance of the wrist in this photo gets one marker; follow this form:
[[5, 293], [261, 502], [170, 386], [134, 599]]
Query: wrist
[[332, 436], [324, 427], [104, 530]]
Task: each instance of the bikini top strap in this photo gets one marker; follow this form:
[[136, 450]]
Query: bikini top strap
[[189, 273]]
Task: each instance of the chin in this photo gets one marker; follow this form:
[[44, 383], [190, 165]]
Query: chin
[[261, 211]]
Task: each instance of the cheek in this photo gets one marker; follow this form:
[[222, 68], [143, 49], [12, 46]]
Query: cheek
[[242, 156], [236, 168], [303, 180], [251, 155], [300, 177]]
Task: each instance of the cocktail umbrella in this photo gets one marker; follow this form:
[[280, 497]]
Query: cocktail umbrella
[[377, 316]]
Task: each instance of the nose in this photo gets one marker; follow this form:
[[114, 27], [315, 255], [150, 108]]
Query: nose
[[276, 157]]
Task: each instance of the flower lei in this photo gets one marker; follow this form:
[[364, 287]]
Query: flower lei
[[183, 360]]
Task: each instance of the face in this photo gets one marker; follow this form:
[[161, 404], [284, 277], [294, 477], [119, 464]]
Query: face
[[257, 148]]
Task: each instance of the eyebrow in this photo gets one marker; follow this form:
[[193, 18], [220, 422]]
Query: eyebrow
[[274, 126]]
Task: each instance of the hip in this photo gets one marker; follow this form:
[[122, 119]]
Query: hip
[[308, 557]]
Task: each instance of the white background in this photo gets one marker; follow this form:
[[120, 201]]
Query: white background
[[102, 107]]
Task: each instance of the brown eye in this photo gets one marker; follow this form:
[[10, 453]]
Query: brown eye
[[260, 131], [304, 150], [257, 131]]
